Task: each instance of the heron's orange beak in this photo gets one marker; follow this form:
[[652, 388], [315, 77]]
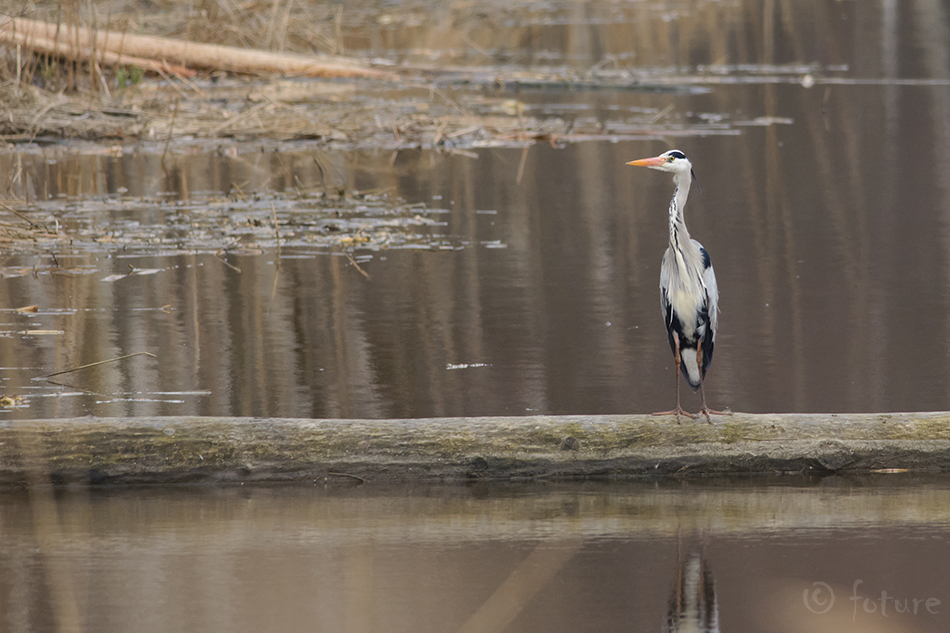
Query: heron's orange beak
[[648, 162]]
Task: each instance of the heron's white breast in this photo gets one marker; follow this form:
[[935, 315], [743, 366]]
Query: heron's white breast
[[687, 294], [687, 305]]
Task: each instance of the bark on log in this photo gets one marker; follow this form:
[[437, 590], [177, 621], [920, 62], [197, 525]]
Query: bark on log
[[81, 43], [165, 450]]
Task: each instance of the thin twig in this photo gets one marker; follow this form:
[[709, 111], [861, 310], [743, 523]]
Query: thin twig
[[171, 129], [355, 265], [356, 477], [238, 118], [22, 217], [339, 30], [226, 262], [240, 191], [276, 230], [662, 113], [438, 132], [100, 362], [524, 160], [293, 109], [173, 84], [465, 38]]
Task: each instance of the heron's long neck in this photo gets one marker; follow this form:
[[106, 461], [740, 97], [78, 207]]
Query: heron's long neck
[[679, 236]]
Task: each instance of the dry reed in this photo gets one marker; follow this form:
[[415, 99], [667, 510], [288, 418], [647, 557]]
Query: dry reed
[[47, 96]]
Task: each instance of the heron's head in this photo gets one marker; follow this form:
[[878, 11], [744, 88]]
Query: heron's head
[[673, 161]]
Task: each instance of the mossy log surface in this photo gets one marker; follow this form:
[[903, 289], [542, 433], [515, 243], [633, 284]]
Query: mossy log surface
[[211, 449]]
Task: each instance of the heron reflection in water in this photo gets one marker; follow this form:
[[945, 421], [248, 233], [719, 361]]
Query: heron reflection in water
[[693, 607]]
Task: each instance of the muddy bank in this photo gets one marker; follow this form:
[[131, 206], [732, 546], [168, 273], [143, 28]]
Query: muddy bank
[[209, 449]]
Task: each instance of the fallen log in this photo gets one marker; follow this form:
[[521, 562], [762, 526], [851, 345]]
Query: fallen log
[[82, 44], [38, 44], [216, 449]]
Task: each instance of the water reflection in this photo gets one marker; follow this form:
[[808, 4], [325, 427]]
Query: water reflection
[[530, 577], [693, 605], [520, 279], [488, 558]]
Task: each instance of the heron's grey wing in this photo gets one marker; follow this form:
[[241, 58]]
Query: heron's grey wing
[[665, 306], [712, 291], [712, 308]]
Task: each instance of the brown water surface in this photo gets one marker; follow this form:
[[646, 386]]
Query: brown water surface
[[741, 555], [467, 277], [486, 274]]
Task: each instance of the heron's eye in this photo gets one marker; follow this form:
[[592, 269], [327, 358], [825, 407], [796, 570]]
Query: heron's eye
[[669, 159]]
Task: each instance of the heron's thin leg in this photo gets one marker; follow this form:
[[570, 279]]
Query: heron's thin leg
[[706, 410], [676, 381], [676, 377]]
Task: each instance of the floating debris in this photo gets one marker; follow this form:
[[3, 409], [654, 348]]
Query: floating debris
[[10, 402], [245, 226]]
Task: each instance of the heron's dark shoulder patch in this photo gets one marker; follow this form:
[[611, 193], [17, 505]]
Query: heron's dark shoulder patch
[[706, 261]]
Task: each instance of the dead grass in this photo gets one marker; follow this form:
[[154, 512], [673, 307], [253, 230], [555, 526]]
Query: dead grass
[[340, 115], [277, 25], [44, 97]]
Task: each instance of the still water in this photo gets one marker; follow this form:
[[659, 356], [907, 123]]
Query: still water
[[521, 278], [493, 278], [741, 555]]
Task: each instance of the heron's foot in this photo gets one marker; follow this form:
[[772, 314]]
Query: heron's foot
[[707, 412], [678, 411]]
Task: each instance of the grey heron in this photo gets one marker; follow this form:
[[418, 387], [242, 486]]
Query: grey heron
[[689, 296]]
